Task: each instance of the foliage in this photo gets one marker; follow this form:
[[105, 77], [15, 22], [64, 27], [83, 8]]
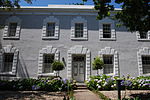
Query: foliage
[[98, 63], [12, 3], [135, 14], [109, 83], [42, 84], [57, 66]]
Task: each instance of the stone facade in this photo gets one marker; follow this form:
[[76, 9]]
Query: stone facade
[[31, 42]]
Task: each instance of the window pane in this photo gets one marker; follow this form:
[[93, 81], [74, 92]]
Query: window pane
[[12, 29], [108, 64], [47, 61], [78, 58], [78, 30], [106, 31], [50, 29], [8, 62], [146, 64], [144, 35]]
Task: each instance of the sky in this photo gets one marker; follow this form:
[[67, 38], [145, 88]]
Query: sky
[[57, 2]]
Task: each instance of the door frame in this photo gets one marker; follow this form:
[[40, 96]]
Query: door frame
[[78, 65], [79, 49]]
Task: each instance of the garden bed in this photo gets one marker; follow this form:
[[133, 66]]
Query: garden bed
[[142, 94], [31, 95]]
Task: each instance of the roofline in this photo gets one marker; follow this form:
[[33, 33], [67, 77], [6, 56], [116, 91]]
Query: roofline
[[87, 7]]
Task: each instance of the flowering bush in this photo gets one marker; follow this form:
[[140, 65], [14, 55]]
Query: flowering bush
[[109, 82], [42, 84]]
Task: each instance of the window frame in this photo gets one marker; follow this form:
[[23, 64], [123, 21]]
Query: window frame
[[108, 64], [45, 54], [142, 52], [50, 19], [13, 19], [75, 20], [110, 51], [47, 50], [15, 51], [113, 31], [80, 30], [145, 64], [143, 39]]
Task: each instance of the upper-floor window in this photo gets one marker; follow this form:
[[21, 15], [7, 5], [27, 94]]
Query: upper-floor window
[[144, 36], [78, 30], [146, 64], [108, 64], [47, 61], [106, 30], [50, 28], [8, 62], [12, 28]]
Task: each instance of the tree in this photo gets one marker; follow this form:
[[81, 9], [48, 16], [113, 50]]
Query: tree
[[135, 14], [12, 3], [57, 66], [97, 64]]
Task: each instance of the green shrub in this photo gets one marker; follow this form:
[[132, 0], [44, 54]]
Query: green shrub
[[57, 66], [43, 84]]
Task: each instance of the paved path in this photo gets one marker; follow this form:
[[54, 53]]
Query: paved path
[[85, 94]]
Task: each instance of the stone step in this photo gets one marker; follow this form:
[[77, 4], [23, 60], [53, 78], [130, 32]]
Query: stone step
[[81, 86]]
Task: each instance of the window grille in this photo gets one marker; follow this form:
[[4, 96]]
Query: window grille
[[108, 64], [8, 62], [146, 64], [50, 29], [144, 35], [48, 60], [106, 31], [78, 58], [12, 29], [78, 30]]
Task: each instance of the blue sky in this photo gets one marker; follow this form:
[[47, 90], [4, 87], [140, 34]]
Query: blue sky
[[56, 2]]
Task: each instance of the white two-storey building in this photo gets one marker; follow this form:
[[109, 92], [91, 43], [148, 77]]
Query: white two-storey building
[[33, 37]]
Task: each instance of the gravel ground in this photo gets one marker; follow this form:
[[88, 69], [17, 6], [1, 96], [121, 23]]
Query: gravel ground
[[143, 94], [31, 95]]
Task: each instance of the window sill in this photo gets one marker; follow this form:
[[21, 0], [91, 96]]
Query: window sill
[[49, 38], [143, 39], [11, 38], [111, 74], [145, 74], [7, 74], [79, 39], [47, 74], [107, 39]]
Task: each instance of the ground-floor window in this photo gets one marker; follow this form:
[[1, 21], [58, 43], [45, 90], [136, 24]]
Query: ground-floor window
[[8, 62], [108, 64], [146, 64], [47, 61]]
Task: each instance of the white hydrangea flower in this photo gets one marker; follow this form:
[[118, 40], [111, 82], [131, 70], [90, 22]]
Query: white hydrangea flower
[[99, 86], [99, 81]]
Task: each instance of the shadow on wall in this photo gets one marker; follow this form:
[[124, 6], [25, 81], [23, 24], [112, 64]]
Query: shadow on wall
[[22, 68]]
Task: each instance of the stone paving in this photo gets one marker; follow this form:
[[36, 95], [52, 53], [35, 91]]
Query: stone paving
[[85, 94]]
